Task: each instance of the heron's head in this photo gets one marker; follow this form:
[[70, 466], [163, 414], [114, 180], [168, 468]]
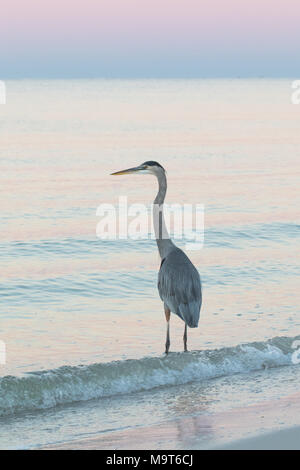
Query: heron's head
[[152, 168]]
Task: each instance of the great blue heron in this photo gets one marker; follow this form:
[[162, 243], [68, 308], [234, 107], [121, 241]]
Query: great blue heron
[[179, 282]]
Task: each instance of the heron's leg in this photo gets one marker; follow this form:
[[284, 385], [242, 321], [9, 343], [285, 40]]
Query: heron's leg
[[185, 338], [168, 314]]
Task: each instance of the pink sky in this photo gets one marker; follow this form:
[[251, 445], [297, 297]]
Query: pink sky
[[111, 32]]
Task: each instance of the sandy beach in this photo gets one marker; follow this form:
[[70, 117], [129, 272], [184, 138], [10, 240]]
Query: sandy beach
[[261, 426], [285, 439]]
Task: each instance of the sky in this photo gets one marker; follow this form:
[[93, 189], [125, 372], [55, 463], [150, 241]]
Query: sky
[[149, 38]]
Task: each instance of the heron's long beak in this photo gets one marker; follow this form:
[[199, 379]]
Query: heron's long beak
[[130, 170]]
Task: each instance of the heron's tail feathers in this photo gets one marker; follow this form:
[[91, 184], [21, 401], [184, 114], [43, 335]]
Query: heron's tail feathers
[[192, 324], [190, 313]]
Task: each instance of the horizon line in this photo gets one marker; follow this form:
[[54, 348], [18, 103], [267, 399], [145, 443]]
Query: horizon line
[[208, 77]]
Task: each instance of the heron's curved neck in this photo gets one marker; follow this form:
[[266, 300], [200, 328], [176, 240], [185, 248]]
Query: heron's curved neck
[[162, 189], [164, 244]]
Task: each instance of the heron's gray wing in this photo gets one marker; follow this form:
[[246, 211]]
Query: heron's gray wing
[[179, 286]]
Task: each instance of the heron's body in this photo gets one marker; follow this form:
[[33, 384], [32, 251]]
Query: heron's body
[[179, 282], [179, 287]]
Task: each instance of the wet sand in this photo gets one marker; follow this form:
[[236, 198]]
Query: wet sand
[[261, 426]]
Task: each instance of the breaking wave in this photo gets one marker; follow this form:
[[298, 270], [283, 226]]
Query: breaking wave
[[68, 384]]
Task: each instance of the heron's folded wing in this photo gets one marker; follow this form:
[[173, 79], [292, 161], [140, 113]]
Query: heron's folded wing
[[179, 283]]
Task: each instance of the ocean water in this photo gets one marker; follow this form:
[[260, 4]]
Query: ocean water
[[81, 317]]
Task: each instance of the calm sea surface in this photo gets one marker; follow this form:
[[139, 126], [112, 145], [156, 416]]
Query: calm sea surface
[[69, 299]]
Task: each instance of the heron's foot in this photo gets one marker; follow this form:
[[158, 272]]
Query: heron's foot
[[167, 347], [186, 349]]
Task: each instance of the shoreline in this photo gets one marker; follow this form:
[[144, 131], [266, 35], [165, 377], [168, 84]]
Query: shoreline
[[260, 426]]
